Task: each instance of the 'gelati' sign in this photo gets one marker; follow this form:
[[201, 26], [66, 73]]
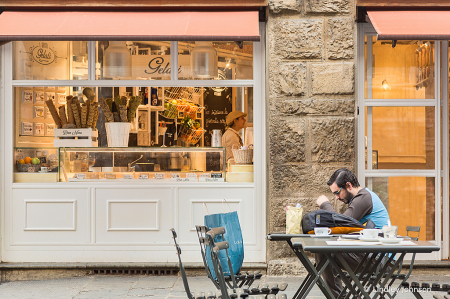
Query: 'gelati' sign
[[159, 66], [42, 54]]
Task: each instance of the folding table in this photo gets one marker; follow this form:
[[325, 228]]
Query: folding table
[[358, 281], [361, 277]]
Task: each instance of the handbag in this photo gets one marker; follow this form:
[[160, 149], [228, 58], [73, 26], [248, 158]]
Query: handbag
[[233, 234]]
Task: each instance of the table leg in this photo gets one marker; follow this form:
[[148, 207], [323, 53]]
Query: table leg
[[315, 273], [397, 263], [350, 272], [364, 270]]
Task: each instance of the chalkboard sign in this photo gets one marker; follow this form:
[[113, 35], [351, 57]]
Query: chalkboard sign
[[217, 107], [213, 162]]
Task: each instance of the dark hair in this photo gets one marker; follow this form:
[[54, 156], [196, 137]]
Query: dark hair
[[342, 177]]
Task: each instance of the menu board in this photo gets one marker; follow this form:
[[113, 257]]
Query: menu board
[[217, 107]]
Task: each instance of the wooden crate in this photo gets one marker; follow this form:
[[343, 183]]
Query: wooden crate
[[75, 138]]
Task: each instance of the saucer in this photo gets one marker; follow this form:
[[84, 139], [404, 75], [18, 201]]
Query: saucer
[[321, 236], [40, 171], [369, 239], [393, 240]]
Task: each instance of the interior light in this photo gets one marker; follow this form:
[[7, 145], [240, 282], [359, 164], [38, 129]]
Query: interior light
[[385, 85], [204, 60], [117, 60]]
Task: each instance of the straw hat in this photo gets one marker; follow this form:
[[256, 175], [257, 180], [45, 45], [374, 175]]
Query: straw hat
[[233, 115]]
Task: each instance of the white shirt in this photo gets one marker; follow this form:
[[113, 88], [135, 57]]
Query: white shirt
[[231, 137]]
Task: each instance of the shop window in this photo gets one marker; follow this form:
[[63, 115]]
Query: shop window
[[409, 201], [403, 72], [402, 137], [215, 61], [138, 60], [50, 60]]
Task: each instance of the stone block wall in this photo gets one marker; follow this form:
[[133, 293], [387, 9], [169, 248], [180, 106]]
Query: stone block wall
[[311, 46]]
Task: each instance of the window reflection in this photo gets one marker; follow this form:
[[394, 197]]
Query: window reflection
[[50, 60]]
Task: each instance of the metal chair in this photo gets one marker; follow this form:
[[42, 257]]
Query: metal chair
[[233, 281]]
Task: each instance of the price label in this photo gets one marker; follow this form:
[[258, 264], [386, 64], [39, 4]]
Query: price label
[[128, 176], [143, 176], [211, 180], [205, 175], [80, 176], [216, 175], [183, 179], [160, 176], [110, 176], [175, 175], [191, 175]]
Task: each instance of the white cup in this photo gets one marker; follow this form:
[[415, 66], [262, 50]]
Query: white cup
[[369, 233], [44, 169], [322, 231]]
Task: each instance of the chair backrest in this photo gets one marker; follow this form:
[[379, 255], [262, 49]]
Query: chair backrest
[[415, 229]]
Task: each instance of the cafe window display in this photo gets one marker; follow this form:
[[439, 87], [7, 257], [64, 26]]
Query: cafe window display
[[149, 113]]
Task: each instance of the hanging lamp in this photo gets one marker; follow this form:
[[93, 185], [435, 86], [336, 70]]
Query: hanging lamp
[[116, 60], [204, 60]]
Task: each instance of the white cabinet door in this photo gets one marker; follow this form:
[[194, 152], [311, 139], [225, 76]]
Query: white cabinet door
[[133, 215], [50, 216]]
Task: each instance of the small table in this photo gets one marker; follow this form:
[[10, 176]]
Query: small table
[[394, 254]]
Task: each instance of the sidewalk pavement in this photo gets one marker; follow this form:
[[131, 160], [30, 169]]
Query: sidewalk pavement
[[151, 287]]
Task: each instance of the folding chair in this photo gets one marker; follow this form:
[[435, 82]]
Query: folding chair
[[233, 281], [233, 291]]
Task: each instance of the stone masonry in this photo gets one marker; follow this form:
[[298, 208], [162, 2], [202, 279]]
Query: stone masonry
[[312, 122]]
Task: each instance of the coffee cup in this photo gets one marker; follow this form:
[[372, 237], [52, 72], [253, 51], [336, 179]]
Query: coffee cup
[[390, 232], [44, 169], [322, 231], [369, 233]]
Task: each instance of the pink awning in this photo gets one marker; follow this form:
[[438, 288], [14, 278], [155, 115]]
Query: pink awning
[[131, 26], [411, 25]]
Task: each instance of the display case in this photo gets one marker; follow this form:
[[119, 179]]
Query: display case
[[175, 164], [35, 165]]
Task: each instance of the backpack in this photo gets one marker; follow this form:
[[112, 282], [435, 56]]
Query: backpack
[[338, 223]]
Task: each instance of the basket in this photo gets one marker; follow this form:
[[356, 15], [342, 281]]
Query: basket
[[172, 110], [191, 135], [242, 156]]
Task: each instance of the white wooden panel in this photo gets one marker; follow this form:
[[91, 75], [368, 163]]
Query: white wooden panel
[[139, 215], [190, 210], [50, 216], [133, 215]]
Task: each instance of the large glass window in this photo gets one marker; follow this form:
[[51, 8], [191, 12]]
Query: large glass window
[[50, 60], [398, 126], [168, 115]]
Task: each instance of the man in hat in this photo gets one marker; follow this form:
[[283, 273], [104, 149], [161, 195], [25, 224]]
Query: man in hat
[[235, 122]]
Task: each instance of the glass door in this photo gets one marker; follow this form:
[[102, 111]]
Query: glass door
[[398, 99]]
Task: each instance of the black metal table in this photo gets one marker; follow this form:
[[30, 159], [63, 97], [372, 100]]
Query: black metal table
[[367, 277]]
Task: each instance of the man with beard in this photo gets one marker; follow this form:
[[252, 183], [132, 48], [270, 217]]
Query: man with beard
[[363, 205]]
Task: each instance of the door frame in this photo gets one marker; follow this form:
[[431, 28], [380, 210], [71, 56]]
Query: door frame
[[366, 29]]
